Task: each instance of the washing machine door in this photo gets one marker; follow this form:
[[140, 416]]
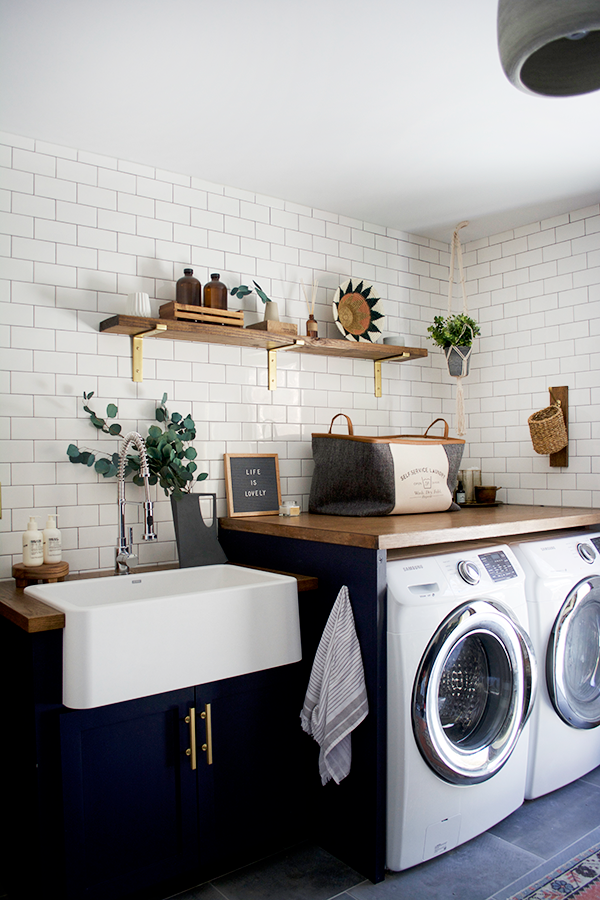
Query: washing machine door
[[473, 692], [573, 657]]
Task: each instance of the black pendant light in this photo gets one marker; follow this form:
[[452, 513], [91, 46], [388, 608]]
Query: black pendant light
[[550, 47]]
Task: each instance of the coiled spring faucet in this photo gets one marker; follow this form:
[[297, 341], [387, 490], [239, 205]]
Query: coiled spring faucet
[[124, 555]]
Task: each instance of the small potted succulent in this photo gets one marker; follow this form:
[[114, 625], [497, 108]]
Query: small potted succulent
[[455, 335]]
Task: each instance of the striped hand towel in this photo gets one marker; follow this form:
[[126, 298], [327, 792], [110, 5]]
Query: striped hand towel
[[336, 698]]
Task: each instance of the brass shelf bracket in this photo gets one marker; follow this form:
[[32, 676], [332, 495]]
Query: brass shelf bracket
[[272, 362], [377, 368], [137, 350]]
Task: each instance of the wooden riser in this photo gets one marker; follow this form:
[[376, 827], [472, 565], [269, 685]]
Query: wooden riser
[[202, 314]]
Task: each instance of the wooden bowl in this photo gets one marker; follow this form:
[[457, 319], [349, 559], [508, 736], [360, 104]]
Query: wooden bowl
[[485, 493]]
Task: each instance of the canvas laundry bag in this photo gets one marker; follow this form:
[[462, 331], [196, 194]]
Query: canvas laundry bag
[[382, 476]]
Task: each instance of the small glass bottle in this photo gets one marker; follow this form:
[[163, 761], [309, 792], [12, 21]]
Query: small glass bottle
[[461, 496], [312, 327], [215, 293], [187, 289]]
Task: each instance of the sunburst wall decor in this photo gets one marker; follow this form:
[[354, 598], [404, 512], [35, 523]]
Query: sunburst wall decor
[[356, 311]]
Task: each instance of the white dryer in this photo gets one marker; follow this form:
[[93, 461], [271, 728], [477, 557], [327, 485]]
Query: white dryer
[[563, 597], [461, 683]]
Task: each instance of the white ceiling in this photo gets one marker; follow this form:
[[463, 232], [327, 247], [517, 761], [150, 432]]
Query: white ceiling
[[395, 112]]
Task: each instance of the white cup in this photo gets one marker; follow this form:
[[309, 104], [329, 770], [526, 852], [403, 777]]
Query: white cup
[[138, 304]]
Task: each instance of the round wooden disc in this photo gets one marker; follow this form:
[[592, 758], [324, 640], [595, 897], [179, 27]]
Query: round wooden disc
[[46, 572]]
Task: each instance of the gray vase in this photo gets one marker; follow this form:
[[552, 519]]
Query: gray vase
[[197, 542], [458, 360]]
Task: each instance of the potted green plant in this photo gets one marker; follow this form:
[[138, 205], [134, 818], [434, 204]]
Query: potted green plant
[[455, 335], [271, 311], [171, 458]]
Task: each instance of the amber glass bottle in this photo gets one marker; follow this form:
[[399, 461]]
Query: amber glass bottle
[[312, 327], [187, 289], [215, 293]]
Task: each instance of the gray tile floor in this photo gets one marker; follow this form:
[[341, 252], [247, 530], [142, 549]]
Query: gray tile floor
[[530, 843]]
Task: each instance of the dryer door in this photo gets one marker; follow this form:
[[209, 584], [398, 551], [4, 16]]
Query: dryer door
[[573, 657], [473, 692]]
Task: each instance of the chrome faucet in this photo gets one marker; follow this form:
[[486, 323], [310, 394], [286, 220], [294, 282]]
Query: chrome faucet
[[123, 552]]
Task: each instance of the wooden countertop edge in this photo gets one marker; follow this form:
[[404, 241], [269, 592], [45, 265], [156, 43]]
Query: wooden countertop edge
[[28, 614], [296, 527], [400, 532], [33, 616], [496, 530]]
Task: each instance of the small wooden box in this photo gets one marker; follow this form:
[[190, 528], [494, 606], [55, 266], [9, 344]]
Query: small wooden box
[[204, 315], [274, 327]]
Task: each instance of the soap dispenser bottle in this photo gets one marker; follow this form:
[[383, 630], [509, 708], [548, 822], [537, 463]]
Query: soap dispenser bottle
[[33, 550], [52, 541]]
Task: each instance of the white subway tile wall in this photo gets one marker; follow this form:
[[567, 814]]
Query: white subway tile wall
[[79, 231]]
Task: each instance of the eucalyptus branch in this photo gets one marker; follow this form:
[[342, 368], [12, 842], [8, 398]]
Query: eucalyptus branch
[[170, 456], [243, 291]]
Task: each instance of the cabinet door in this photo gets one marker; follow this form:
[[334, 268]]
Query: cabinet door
[[129, 794], [257, 774]]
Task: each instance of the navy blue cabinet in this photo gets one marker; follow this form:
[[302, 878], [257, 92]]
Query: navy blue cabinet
[[348, 819], [260, 775], [104, 803], [129, 794], [138, 815]]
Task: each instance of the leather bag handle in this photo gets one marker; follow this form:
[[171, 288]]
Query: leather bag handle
[[445, 426], [349, 422]]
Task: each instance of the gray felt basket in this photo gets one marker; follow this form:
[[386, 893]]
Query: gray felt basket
[[380, 476]]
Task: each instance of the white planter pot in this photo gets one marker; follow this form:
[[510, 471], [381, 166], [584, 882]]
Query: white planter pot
[[271, 312]]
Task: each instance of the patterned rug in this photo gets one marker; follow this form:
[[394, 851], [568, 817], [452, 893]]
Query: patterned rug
[[578, 879]]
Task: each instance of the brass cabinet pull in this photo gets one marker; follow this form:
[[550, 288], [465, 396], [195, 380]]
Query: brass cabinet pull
[[190, 719], [207, 747]]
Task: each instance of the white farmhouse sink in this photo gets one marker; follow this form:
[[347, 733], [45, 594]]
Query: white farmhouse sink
[[132, 636]]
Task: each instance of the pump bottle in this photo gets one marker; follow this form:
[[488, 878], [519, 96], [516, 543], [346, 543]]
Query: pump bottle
[[52, 542], [33, 550]]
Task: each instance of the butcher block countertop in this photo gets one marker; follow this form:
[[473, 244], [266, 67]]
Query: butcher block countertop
[[33, 615], [396, 534], [404, 532]]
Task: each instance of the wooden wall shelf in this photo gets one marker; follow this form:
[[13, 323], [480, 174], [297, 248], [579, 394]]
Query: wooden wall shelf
[[139, 327]]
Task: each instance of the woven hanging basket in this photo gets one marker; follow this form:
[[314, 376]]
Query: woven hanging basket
[[548, 430]]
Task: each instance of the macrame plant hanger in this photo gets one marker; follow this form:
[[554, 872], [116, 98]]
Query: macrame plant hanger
[[462, 352]]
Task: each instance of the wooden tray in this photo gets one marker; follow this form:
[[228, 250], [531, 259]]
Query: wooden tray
[[203, 314]]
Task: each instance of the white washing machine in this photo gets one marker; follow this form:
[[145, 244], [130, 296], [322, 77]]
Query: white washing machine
[[563, 597], [461, 683]]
